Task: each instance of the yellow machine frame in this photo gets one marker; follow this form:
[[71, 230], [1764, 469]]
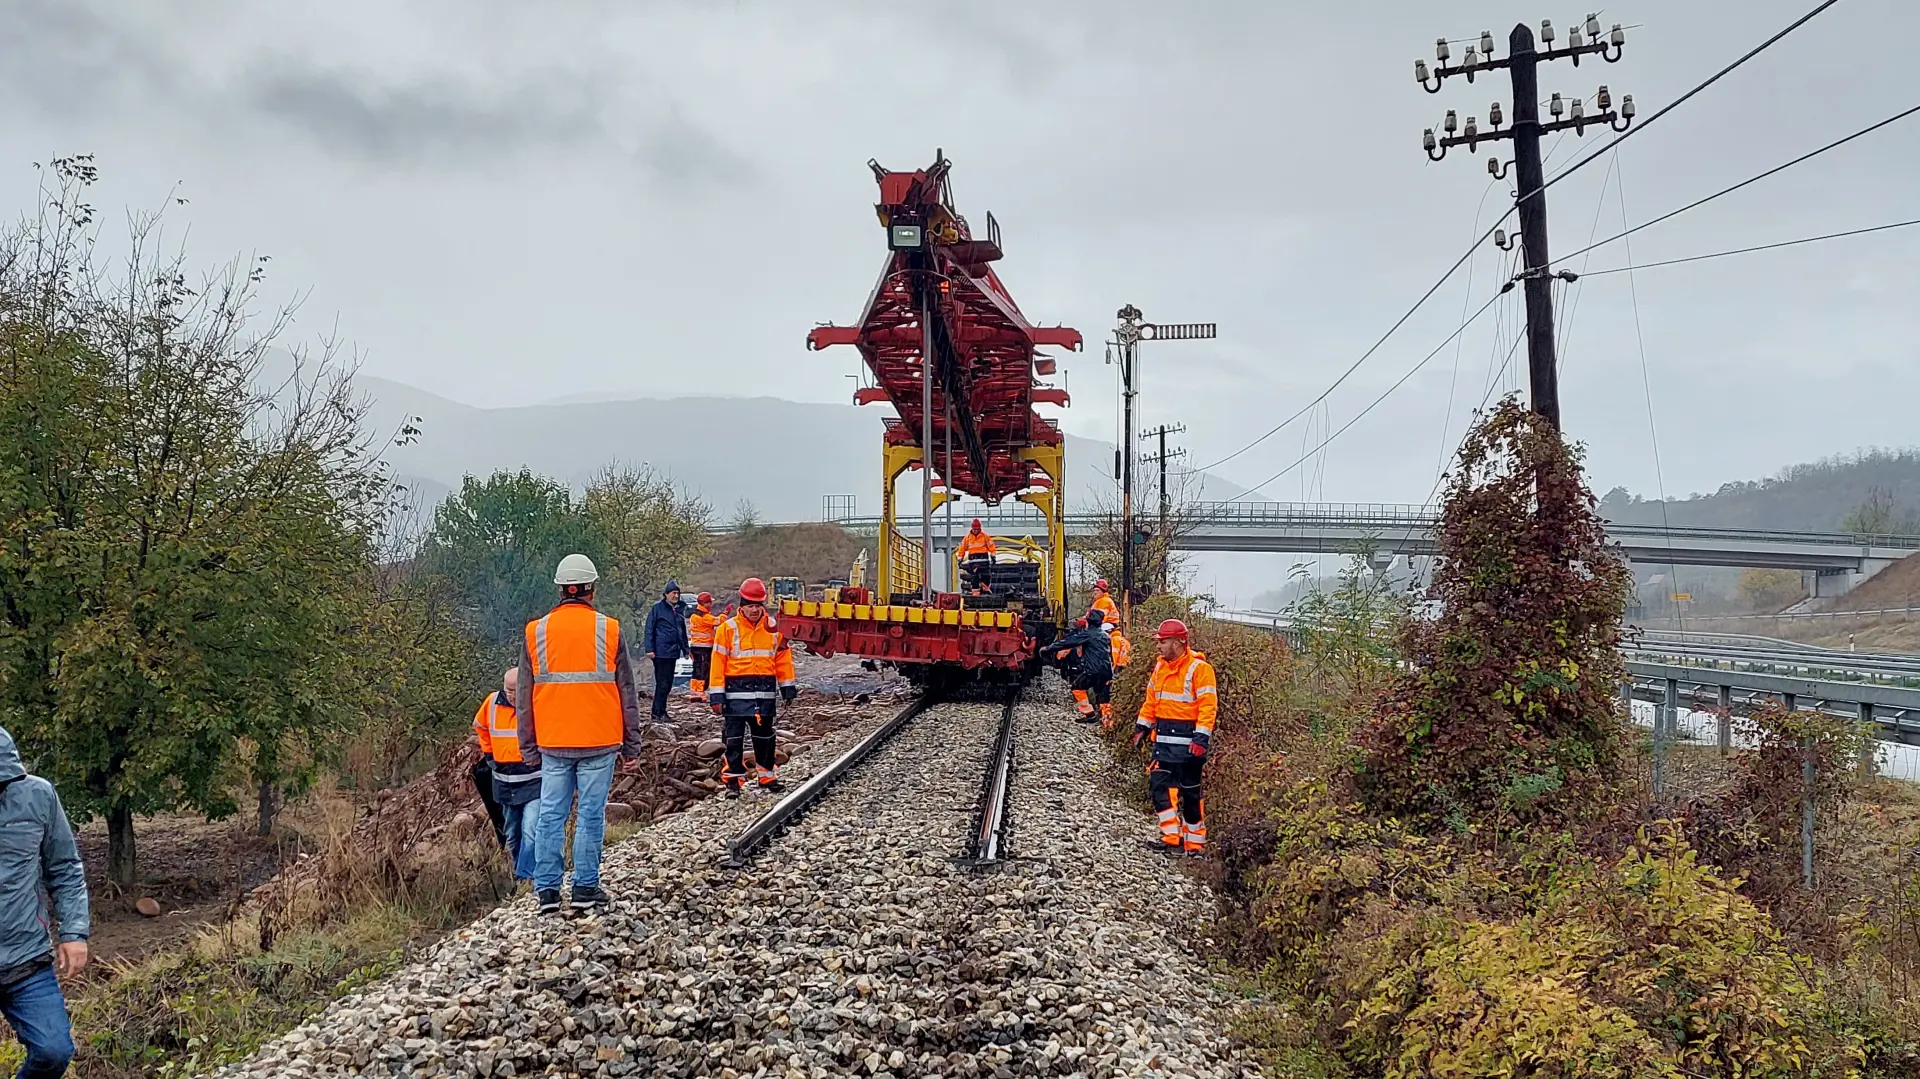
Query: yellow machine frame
[[902, 562]]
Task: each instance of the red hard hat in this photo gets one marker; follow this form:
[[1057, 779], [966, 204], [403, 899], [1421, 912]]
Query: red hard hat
[[1172, 627], [753, 590], [976, 524], [705, 598], [1101, 584]]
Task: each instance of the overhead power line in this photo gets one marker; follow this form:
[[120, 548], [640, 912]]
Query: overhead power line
[[1750, 181], [1751, 250], [1689, 95], [1465, 258], [1391, 330], [1401, 381]]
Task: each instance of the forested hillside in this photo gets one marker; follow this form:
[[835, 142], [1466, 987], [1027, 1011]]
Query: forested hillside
[[1816, 496]]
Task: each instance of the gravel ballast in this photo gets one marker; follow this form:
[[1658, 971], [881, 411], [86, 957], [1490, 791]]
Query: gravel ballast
[[855, 944]]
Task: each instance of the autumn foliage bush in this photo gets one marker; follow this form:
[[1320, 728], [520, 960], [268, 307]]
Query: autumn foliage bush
[[1444, 866], [1507, 714]]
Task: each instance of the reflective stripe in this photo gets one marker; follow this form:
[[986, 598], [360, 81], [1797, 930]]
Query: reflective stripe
[[751, 695], [1172, 740], [786, 682], [530, 777], [1183, 698], [543, 671], [554, 678], [756, 653], [1204, 690], [721, 649], [493, 722]]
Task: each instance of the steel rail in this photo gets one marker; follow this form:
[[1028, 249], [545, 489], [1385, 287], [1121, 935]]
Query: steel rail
[[740, 850], [990, 817]]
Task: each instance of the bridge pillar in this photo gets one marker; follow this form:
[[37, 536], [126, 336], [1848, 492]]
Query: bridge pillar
[[1832, 585], [1825, 585]]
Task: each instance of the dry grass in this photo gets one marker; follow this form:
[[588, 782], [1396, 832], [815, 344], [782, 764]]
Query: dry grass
[[815, 553], [381, 881]]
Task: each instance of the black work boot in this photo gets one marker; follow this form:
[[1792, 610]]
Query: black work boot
[[550, 901], [589, 896]]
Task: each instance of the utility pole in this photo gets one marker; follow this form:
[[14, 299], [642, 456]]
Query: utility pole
[[1166, 502], [1522, 62], [1132, 330]]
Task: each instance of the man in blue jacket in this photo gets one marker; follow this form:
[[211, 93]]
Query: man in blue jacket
[[37, 848], [666, 640]]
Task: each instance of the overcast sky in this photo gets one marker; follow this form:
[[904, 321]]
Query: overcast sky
[[509, 202]]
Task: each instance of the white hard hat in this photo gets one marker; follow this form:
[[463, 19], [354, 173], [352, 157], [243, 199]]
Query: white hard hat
[[576, 569]]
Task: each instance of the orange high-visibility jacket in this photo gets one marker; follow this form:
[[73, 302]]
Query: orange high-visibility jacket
[[498, 726], [1180, 707], [576, 700], [1122, 649], [976, 544], [750, 662], [1109, 610], [700, 627]]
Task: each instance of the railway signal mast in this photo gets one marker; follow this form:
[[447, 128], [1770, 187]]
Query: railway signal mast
[[1132, 330], [1522, 63]]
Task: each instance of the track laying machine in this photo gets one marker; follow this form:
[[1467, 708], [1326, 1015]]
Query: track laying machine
[[948, 348]]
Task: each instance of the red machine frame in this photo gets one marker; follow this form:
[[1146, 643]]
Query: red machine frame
[[938, 296]]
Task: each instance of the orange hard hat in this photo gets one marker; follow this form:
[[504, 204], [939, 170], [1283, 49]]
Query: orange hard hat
[[1171, 628], [704, 598], [753, 590], [1101, 584]]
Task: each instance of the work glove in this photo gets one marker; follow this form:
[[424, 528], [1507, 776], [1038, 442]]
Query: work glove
[[718, 707], [1139, 737], [788, 693], [1198, 749]]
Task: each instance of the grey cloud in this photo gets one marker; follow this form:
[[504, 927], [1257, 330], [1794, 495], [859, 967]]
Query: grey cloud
[[677, 153], [70, 59], [433, 118]]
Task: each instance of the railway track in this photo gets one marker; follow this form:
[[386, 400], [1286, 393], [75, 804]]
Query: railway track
[[988, 838]]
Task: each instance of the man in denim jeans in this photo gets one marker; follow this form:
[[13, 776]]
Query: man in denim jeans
[[577, 712], [36, 847]]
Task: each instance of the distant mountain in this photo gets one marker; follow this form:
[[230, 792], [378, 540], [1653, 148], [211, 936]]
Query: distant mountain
[[1809, 497], [783, 456]]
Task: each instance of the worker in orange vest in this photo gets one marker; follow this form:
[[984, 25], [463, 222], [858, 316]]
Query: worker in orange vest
[[752, 667], [516, 784], [700, 627], [1103, 602], [1178, 715], [976, 553], [577, 711]]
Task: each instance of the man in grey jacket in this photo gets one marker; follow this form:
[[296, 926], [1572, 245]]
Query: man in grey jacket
[[37, 851]]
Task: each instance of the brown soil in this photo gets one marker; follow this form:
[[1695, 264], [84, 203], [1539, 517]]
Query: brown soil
[[194, 869]]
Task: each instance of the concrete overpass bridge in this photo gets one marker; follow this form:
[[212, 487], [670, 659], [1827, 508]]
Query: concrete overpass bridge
[[1834, 561]]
